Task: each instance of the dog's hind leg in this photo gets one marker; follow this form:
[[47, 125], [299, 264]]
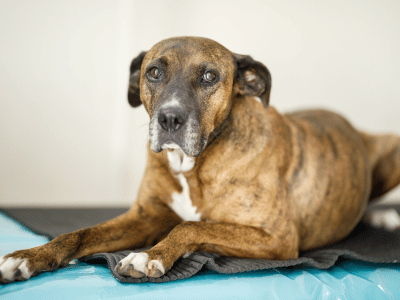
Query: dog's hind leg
[[384, 158]]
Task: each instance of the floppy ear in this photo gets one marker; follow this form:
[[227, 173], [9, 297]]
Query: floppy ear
[[252, 78], [134, 81]]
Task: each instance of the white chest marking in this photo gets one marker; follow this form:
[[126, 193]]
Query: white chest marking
[[179, 161], [181, 203]]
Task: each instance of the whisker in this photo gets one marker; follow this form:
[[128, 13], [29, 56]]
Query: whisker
[[147, 123]]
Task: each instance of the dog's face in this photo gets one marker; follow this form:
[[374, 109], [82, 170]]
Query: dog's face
[[187, 86]]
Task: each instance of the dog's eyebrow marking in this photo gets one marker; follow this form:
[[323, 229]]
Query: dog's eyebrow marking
[[159, 61]]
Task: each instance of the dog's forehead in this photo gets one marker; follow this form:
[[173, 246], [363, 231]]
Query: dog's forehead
[[194, 49]]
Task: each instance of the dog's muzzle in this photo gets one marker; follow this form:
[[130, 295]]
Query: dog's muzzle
[[174, 127]]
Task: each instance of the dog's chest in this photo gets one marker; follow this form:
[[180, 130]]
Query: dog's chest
[[181, 203]]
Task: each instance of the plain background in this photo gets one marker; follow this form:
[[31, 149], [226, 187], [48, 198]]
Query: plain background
[[67, 134]]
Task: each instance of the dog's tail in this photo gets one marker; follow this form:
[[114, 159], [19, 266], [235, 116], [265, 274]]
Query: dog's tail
[[384, 157]]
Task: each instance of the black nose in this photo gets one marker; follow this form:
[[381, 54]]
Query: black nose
[[171, 119]]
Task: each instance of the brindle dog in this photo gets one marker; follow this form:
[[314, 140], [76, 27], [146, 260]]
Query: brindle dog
[[226, 173]]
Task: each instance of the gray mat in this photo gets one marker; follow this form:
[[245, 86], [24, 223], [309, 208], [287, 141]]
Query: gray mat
[[365, 244]]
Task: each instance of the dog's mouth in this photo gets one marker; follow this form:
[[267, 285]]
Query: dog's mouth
[[188, 137]]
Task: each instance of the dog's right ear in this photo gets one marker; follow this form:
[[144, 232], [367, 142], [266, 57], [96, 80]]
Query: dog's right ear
[[134, 80], [252, 78]]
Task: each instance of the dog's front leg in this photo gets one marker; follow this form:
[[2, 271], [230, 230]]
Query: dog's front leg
[[221, 238], [134, 229]]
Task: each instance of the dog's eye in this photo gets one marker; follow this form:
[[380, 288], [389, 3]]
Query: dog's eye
[[154, 73], [209, 76]]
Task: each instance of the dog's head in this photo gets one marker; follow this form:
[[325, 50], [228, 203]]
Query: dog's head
[[187, 85]]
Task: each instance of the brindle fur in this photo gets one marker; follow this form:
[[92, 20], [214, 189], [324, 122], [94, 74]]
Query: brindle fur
[[267, 185]]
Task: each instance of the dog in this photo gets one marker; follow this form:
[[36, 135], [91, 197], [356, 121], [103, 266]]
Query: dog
[[226, 173]]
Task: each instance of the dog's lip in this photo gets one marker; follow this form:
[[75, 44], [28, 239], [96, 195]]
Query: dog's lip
[[170, 145]]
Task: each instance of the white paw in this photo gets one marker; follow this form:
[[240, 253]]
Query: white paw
[[13, 269], [137, 265], [389, 219]]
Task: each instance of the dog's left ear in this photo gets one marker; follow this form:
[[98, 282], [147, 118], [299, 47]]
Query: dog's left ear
[[134, 81], [252, 78]]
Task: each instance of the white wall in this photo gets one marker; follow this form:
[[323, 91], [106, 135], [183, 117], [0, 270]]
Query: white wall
[[67, 134]]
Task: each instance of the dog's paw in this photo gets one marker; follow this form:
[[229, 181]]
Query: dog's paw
[[12, 269], [22, 265], [138, 265], [388, 219]]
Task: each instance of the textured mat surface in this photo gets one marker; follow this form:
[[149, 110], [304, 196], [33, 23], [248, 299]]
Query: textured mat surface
[[364, 244]]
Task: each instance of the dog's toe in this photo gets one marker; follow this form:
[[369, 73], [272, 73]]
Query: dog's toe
[[137, 265], [134, 273], [156, 269], [19, 276]]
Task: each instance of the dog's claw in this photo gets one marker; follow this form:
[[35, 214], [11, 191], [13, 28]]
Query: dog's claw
[[155, 273], [19, 276], [17, 272]]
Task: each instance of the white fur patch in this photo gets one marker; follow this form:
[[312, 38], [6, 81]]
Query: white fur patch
[[389, 219], [179, 161], [140, 262], [137, 260], [257, 99], [8, 267], [173, 102], [182, 204], [155, 264], [24, 270]]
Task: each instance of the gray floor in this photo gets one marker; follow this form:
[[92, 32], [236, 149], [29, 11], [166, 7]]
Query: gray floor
[[56, 221]]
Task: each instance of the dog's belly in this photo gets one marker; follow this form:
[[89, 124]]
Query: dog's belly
[[329, 183]]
